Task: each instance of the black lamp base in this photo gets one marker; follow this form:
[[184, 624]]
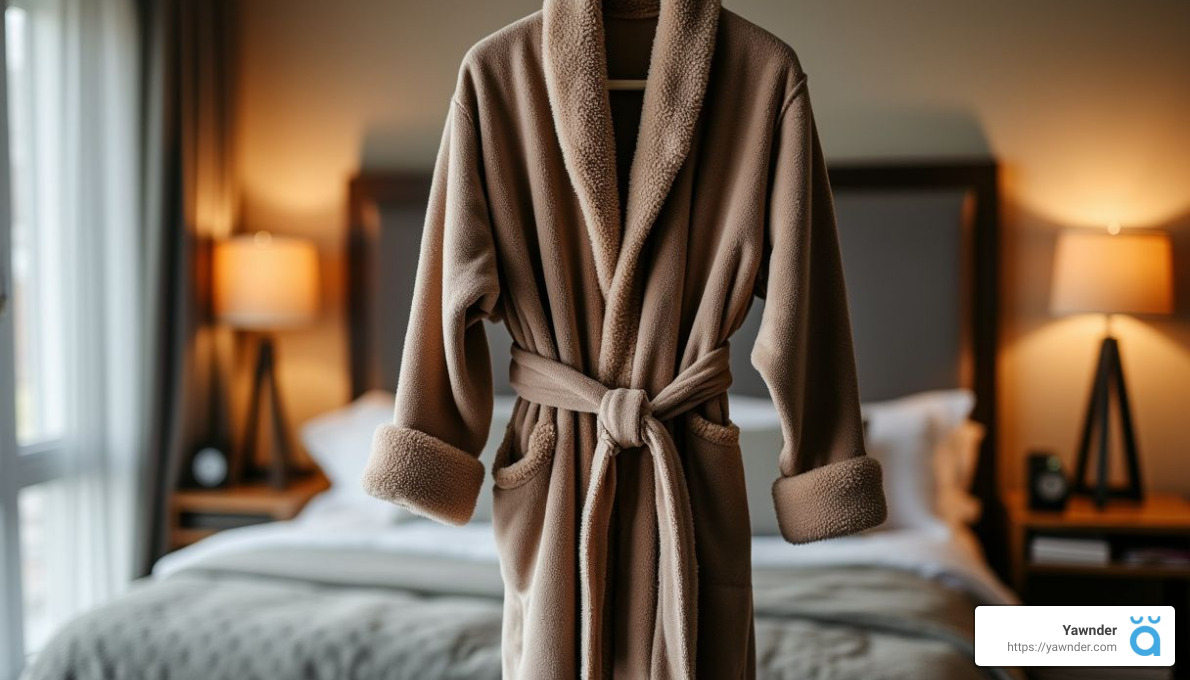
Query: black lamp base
[[1109, 378], [279, 471]]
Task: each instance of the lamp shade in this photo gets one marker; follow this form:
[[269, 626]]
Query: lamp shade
[[1126, 273], [263, 281]]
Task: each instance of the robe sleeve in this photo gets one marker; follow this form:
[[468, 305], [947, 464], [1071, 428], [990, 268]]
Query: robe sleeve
[[827, 487], [427, 460]]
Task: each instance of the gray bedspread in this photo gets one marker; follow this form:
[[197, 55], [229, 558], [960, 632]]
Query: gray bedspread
[[298, 613]]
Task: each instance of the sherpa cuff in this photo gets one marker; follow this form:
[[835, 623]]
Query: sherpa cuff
[[836, 499], [424, 474]]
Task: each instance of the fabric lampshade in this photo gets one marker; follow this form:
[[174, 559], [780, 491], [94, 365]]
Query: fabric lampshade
[[1126, 273], [263, 281]]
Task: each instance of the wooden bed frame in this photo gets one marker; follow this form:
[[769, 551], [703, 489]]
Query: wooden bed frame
[[977, 180]]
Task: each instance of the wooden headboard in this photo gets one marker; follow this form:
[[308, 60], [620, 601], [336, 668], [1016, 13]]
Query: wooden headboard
[[920, 247]]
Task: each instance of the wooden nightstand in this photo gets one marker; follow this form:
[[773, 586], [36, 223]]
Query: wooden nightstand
[[1161, 519], [198, 513]]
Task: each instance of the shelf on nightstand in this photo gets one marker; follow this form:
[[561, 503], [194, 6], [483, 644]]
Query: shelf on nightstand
[[1160, 517], [198, 513], [1162, 520]]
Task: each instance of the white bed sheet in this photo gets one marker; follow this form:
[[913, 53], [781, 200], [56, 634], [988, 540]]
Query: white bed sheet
[[947, 554]]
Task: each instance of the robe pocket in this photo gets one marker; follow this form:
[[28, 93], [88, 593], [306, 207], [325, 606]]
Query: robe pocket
[[719, 501], [519, 504], [513, 468], [723, 435]]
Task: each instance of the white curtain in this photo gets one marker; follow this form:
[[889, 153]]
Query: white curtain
[[83, 138]]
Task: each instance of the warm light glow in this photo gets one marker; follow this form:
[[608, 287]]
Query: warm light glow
[[1113, 274], [1048, 369], [264, 281]]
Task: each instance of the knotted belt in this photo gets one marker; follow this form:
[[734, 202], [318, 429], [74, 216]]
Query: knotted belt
[[628, 419]]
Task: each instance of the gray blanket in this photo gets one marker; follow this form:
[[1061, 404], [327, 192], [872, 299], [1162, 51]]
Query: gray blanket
[[282, 614]]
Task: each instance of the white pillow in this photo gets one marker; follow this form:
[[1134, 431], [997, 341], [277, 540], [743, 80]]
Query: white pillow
[[956, 461], [899, 435], [914, 438], [927, 446], [760, 447], [340, 442]]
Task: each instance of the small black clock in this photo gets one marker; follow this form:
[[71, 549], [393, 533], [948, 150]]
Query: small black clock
[[1048, 487]]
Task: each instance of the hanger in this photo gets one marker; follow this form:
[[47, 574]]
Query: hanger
[[614, 84], [623, 84]]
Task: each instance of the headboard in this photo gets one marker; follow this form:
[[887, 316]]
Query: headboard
[[920, 256]]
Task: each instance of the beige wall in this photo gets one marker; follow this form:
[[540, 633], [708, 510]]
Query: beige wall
[[1085, 103]]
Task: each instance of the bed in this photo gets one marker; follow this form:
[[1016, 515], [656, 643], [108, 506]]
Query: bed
[[353, 588]]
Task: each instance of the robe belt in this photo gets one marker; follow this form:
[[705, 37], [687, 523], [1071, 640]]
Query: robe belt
[[627, 418]]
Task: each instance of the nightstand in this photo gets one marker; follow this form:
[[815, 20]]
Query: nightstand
[[1161, 519], [198, 513]]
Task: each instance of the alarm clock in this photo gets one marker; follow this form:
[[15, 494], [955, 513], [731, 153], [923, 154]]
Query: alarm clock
[[1048, 486], [210, 467]]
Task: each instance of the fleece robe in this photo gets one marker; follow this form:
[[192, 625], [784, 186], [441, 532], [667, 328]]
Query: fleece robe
[[622, 237]]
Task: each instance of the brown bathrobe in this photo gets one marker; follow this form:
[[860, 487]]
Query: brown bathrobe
[[621, 264]]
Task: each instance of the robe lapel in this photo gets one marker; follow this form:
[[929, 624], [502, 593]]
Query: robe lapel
[[575, 66]]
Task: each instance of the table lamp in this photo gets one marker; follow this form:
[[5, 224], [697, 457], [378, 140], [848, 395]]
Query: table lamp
[[265, 283], [1111, 273]]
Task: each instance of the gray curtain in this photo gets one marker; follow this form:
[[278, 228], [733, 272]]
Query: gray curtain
[[189, 192]]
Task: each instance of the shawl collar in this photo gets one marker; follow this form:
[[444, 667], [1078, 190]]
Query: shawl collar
[[575, 66]]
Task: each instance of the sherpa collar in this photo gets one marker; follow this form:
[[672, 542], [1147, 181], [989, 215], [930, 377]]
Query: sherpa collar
[[575, 72]]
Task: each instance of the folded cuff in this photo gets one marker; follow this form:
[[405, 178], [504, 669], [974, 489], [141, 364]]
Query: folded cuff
[[424, 474], [833, 500]]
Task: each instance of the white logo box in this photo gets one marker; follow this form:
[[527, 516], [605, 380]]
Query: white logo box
[[1074, 636]]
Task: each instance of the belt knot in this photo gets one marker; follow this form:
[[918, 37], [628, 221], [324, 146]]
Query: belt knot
[[622, 412], [625, 418]]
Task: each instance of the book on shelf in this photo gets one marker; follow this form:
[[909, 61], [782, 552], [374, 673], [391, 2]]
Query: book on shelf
[[1065, 550], [1157, 557]]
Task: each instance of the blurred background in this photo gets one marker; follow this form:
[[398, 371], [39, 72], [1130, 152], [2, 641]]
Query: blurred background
[[198, 195]]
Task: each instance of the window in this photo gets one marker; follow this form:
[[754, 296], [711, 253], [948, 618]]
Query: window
[[36, 258], [33, 506], [67, 217], [33, 422]]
